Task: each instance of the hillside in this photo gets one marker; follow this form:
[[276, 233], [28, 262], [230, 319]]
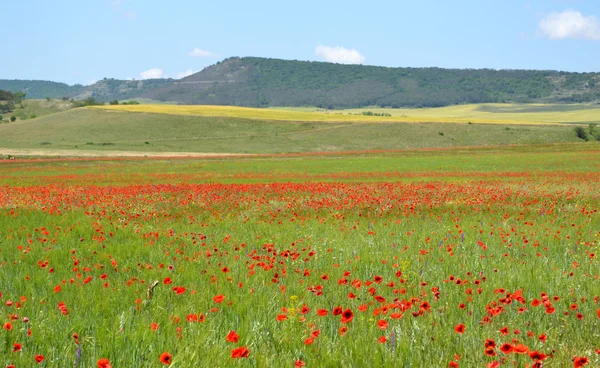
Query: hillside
[[37, 89], [508, 114], [261, 82], [104, 90], [87, 129], [264, 82]]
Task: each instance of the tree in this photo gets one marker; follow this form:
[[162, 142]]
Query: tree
[[19, 97], [7, 107], [114, 102]]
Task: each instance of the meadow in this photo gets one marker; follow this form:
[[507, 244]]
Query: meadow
[[511, 114], [474, 257], [104, 131]]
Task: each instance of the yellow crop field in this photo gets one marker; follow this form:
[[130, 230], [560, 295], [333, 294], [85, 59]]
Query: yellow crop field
[[522, 114]]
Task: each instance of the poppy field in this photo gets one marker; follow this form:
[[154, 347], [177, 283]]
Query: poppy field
[[488, 261]]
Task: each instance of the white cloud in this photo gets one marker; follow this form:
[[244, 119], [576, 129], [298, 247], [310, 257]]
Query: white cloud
[[339, 55], [570, 24], [196, 52], [153, 73], [184, 74]]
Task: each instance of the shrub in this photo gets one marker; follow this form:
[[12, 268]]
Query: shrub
[[114, 102], [441, 133], [13, 118], [581, 133]]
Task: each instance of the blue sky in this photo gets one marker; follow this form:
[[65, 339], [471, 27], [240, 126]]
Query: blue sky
[[80, 41]]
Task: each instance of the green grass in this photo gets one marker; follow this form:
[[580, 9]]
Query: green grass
[[128, 223], [99, 129], [498, 163], [37, 108]]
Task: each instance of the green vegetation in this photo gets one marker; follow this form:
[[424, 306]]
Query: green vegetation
[[264, 82], [128, 131], [261, 82], [38, 89], [104, 90], [39, 108], [480, 113]]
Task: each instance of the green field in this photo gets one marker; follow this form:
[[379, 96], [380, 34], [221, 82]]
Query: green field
[[400, 259], [36, 108], [103, 130], [530, 114]]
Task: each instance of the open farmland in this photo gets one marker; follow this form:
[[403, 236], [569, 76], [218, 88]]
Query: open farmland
[[411, 259], [528, 114], [169, 129]]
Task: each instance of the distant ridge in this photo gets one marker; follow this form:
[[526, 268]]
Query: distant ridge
[[261, 82]]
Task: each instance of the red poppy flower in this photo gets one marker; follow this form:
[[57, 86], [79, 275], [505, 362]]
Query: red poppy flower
[[536, 355], [309, 341], [219, 298], [39, 358], [281, 317], [166, 358], [167, 281], [580, 361], [347, 316], [490, 351], [322, 312], [154, 326], [8, 326], [232, 337], [506, 348], [460, 328], [104, 363], [304, 309], [453, 364], [337, 311], [490, 344], [17, 347], [520, 349], [382, 324], [241, 352], [299, 363], [382, 339]]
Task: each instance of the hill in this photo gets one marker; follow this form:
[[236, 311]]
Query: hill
[[38, 89], [264, 82], [104, 90], [92, 129], [261, 82]]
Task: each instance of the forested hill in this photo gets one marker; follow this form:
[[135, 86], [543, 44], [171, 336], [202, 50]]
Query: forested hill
[[106, 89], [40, 89], [254, 81], [271, 82]]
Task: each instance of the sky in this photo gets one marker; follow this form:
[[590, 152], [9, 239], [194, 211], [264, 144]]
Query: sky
[[82, 41]]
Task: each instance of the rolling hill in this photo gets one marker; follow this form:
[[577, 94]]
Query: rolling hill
[[103, 130], [261, 82]]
